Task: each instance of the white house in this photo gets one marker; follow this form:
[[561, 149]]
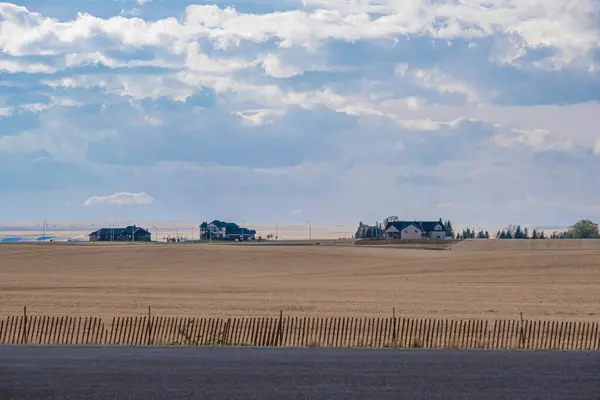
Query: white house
[[415, 230]]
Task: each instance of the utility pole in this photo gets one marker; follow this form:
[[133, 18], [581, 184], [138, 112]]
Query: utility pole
[[309, 230], [243, 231]]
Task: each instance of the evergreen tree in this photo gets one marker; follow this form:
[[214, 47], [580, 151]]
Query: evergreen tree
[[542, 236], [503, 234], [518, 233], [487, 235], [534, 234], [449, 229], [509, 235], [525, 234]]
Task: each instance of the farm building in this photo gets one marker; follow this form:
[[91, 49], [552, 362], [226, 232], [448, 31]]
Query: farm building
[[365, 231], [121, 235], [220, 230], [415, 230]]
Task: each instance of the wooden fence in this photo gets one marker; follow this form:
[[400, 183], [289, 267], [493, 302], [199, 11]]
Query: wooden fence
[[303, 332]]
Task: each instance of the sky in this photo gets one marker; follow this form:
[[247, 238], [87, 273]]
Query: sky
[[332, 111]]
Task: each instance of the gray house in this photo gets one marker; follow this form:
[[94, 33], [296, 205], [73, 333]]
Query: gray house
[[221, 230], [131, 233]]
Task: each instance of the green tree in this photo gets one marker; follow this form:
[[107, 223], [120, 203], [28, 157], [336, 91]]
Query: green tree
[[534, 234], [391, 218], [542, 235], [518, 233], [449, 229], [487, 235], [584, 229], [502, 234], [525, 234]]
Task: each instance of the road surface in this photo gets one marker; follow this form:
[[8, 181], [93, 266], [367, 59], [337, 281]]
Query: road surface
[[112, 373]]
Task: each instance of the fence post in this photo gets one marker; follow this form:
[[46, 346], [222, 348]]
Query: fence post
[[25, 324], [280, 327], [148, 326], [522, 336], [394, 327]]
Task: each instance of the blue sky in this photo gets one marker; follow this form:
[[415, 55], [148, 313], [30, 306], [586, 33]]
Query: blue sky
[[278, 111]]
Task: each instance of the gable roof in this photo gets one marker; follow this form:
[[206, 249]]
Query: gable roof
[[222, 224], [392, 229], [118, 231], [425, 226]]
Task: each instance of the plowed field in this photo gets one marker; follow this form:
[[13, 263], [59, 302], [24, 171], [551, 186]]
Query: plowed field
[[476, 279]]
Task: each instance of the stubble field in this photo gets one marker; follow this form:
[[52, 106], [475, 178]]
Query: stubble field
[[474, 279]]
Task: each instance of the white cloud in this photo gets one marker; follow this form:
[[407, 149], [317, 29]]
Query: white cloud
[[275, 68], [519, 26], [134, 12], [119, 199], [297, 211], [259, 117], [437, 80], [13, 67]]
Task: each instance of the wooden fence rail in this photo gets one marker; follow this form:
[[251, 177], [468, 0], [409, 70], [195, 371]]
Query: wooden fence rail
[[303, 332]]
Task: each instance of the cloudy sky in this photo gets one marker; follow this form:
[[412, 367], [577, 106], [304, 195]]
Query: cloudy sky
[[328, 110]]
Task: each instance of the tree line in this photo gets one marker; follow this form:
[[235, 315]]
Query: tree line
[[583, 229]]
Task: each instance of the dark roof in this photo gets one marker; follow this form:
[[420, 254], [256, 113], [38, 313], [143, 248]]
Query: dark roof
[[118, 231], [131, 228], [106, 231], [221, 224], [230, 227], [425, 226]]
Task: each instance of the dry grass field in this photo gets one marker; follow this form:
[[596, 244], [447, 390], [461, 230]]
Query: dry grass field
[[474, 279]]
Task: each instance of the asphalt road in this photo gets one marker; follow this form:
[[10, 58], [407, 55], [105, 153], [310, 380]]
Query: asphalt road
[[78, 373]]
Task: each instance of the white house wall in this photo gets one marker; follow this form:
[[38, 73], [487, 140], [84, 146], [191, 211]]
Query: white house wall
[[411, 233], [438, 235]]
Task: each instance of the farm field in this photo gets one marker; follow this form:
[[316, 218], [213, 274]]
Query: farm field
[[474, 279]]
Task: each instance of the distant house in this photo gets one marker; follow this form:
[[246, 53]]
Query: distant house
[[121, 235], [220, 230], [415, 230]]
